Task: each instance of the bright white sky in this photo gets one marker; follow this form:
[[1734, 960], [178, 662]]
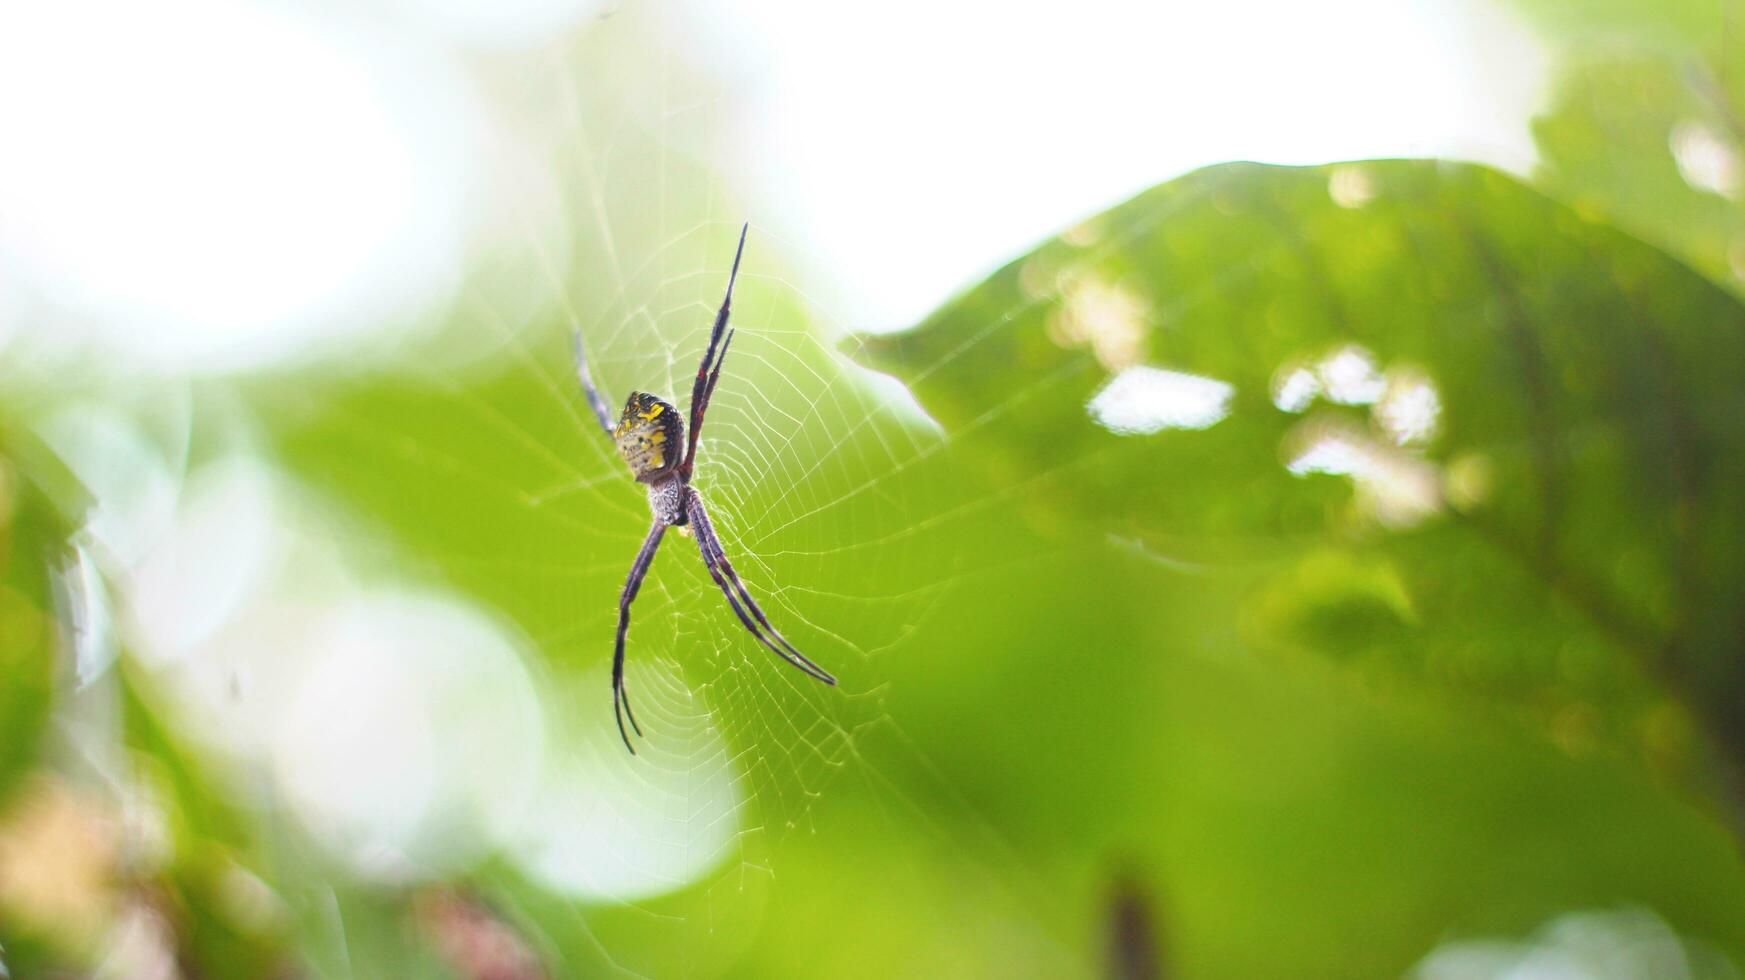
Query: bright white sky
[[914, 145], [169, 193]]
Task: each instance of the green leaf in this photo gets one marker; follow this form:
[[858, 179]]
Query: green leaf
[[33, 547], [1697, 24], [1638, 138], [1465, 433], [1646, 122]]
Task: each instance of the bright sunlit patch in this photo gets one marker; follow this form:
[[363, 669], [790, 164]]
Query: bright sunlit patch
[[1351, 186], [1410, 408], [1330, 454], [206, 185], [1293, 390], [1622, 944], [402, 728], [1397, 489], [414, 742], [1706, 159], [611, 826], [1348, 376], [1146, 399], [1107, 317], [212, 560]]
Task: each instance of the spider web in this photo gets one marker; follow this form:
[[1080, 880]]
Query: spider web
[[828, 485], [838, 501], [842, 506]]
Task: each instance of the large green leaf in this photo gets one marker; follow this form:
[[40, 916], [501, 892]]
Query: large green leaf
[[1467, 434]]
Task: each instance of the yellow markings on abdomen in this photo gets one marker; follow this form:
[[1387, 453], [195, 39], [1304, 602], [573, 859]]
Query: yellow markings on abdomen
[[644, 430]]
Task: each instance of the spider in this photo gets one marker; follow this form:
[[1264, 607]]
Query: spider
[[647, 435]]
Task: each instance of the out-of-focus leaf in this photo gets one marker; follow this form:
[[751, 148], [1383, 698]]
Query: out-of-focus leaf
[[33, 550], [1664, 23], [1641, 139], [1443, 423], [1646, 124], [33, 546]]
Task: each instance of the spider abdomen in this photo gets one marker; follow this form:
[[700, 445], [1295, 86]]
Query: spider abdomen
[[650, 436]]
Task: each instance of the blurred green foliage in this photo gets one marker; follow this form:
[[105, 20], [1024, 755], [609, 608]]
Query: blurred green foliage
[[1072, 655], [1646, 124], [33, 543], [1425, 629]]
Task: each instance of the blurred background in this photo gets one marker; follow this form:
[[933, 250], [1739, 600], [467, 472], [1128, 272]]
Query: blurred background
[[1330, 563]]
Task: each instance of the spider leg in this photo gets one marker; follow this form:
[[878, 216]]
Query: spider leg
[[595, 402], [703, 405], [709, 370], [715, 373], [721, 570], [638, 571]]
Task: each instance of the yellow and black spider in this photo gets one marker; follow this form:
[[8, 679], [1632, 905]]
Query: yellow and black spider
[[648, 434]]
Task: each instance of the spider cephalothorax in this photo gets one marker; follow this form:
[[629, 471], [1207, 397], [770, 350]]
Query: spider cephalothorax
[[648, 435]]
